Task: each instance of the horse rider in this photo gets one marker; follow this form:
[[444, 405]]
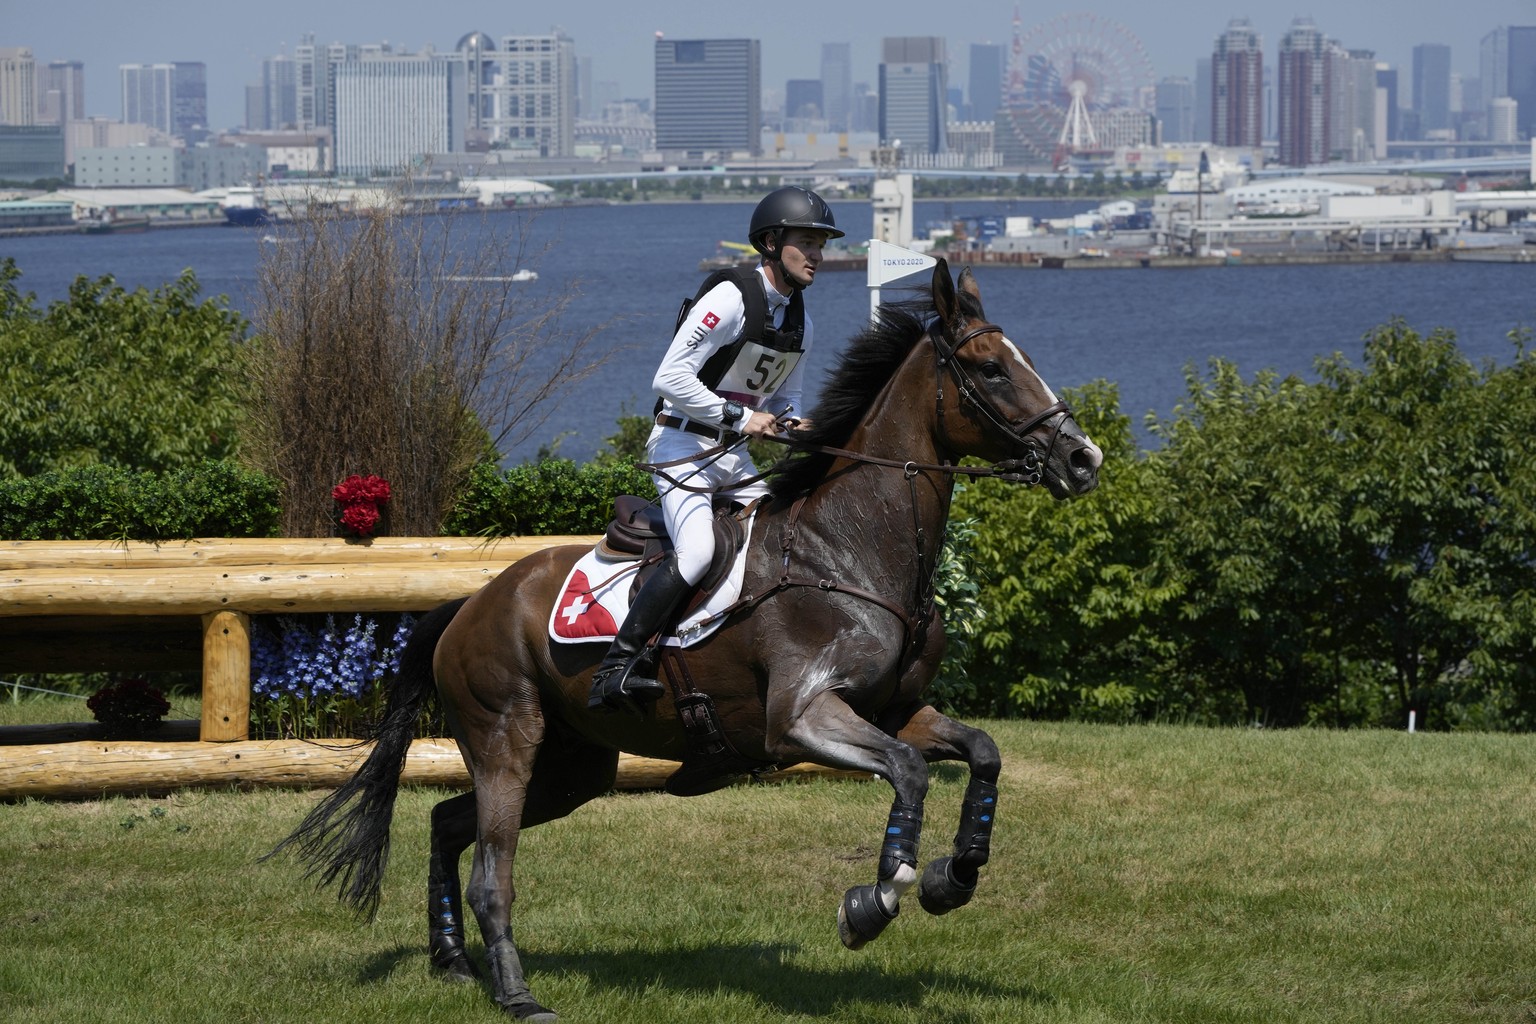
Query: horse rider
[[734, 367]]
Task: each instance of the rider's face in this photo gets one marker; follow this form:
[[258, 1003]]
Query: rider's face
[[802, 254]]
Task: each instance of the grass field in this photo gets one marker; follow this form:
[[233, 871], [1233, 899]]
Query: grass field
[[1139, 874]]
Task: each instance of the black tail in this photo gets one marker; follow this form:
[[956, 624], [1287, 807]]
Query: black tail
[[350, 844]]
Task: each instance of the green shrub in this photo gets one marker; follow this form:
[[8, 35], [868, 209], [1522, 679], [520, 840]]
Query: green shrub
[[555, 496], [99, 502]]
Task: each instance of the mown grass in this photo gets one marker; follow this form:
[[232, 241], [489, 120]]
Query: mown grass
[[1139, 874]]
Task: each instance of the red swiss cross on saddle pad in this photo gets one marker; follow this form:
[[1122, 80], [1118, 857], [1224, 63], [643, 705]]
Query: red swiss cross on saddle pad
[[595, 599]]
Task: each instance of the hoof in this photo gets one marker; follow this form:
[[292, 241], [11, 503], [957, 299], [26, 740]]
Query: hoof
[[862, 917], [939, 892], [453, 964], [532, 1012]]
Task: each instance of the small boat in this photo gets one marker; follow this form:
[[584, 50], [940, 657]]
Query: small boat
[[109, 223], [245, 207]]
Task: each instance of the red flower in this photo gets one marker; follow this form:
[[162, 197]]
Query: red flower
[[361, 488], [360, 498]]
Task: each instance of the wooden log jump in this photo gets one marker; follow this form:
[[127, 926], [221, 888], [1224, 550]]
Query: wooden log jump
[[107, 768], [215, 586]]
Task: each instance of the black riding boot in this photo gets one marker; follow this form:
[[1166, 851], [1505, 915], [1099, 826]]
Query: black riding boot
[[619, 684]]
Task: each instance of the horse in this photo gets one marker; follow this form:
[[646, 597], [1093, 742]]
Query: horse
[[824, 659]]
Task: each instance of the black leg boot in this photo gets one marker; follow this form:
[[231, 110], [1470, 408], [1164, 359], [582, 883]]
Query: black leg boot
[[617, 685]]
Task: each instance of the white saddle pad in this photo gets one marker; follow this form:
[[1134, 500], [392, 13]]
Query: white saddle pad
[[595, 599]]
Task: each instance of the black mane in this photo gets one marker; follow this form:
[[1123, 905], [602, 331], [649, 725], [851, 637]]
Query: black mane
[[851, 386]]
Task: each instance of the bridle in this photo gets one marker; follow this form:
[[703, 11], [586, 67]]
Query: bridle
[[1030, 468]]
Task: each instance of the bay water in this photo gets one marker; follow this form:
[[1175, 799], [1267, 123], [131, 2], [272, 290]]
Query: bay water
[[625, 268]]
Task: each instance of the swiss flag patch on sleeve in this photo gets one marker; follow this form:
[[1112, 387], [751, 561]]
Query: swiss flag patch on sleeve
[[711, 321]]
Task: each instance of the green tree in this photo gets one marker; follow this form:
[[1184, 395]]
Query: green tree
[[1066, 595], [139, 380]]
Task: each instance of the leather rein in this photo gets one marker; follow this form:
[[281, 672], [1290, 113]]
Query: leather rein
[[1028, 471]]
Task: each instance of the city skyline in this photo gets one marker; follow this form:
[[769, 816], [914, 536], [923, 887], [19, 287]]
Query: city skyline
[[623, 51]]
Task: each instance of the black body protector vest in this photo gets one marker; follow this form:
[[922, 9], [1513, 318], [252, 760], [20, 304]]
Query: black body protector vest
[[755, 365]]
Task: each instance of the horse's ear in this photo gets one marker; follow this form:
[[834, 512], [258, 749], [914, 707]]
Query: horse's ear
[[944, 302], [968, 285]]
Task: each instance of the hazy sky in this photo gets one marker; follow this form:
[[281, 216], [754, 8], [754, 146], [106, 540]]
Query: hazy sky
[[618, 35]]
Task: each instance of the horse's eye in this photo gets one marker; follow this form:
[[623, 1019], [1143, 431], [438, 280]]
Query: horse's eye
[[991, 370]]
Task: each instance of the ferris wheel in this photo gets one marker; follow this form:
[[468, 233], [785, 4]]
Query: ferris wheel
[[1073, 65]]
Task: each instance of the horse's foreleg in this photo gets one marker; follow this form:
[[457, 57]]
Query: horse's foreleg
[[829, 733], [453, 830], [949, 882]]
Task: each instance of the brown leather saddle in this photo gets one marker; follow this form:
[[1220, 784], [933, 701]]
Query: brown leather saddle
[[638, 532]]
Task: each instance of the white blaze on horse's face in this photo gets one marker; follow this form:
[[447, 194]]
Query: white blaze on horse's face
[[1023, 361]]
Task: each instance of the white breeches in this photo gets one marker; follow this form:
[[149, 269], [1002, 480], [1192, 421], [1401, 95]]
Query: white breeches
[[689, 515]]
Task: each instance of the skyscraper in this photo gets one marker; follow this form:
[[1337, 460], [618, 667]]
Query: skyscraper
[[1432, 87], [189, 100], [802, 104], [1508, 69], [18, 86], [837, 86], [1176, 109], [708, 96], [1237, 86], [61, 92], [1305, 95], [527, 94], [913, 90], [394, 107], [986, 81], [1386, 81], [147, 94]]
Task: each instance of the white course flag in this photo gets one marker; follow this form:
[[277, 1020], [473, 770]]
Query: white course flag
[[889, 263]]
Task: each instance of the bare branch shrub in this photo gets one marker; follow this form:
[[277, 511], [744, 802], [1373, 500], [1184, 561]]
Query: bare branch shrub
[[399, 346]]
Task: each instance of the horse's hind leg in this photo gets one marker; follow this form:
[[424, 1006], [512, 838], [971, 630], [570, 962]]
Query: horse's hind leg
[[453, 830], [949, 882]]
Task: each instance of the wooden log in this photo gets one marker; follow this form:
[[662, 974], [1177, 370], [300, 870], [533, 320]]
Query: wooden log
[[101, 643], [254, 551], [172, 730], [226, 677], [197, 590], [105, 768]]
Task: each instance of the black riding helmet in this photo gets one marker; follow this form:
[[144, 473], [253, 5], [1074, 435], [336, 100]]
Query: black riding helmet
[[789, 207]]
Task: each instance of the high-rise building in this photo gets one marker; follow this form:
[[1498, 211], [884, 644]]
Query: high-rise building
[[1305, 95], [1237, 86], [61, 92], [708, 96], [1503, 120], [148, 97], [391, 108], [527, 94], [985, 93], [1508, 69], [1358, 135], [803, 104], [1204, 98], [837, 86], [1386, 81], [171, 97], [18, 86], [1432, 87], [1176, 109], [189, 100], [913, 90]]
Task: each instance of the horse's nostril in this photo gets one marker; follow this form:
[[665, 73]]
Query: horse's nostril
[[1083, 460]]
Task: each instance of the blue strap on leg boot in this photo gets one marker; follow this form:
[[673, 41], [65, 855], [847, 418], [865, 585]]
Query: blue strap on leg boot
[[619, 684]]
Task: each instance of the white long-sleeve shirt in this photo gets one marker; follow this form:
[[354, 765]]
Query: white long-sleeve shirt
[[760, 378]]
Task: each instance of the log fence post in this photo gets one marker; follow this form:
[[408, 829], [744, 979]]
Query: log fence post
[[226, 677]]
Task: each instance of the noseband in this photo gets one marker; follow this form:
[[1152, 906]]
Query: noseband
[[1031, 467]]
